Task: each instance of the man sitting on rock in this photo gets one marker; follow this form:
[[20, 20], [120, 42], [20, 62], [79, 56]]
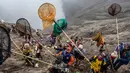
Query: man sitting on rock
[[124, 56]]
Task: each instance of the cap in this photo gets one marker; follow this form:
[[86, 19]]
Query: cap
[[114, 54], [80, 46]]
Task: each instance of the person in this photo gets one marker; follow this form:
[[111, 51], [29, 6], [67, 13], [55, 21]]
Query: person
[[64, 46], [71, 45], [28, 52], [124, 56], [53, 39], [81, 48], [97, 63], [68, 58], [113, 56], [78, 55], [128, 51], [79, 41], [64, 60], [108, 59], [38, 34], [38, 49], [76, 40], [58, 39], [59, 66], [59, 48], [33, 42], [28, 37], [102, 48], [99, 38], [120, 48], [69, 42]]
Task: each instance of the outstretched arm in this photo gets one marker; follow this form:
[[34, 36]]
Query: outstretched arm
[[59, 54]]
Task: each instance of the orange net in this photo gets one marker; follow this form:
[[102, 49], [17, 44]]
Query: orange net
[[47, 24], [47, 12]]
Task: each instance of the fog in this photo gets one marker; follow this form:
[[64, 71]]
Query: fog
[[75, 7], [11, 10]]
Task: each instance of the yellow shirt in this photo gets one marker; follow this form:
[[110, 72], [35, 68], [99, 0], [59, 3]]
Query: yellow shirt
[[96, 65], [25, 51]]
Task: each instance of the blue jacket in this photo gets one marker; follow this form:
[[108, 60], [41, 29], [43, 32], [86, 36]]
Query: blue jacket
[[121, 47], [59, 50], [66, 56]]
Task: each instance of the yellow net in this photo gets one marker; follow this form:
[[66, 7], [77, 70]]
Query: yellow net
[[47, 13], [47, 24]]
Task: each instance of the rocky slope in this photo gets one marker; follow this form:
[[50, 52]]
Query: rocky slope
[[90, 20], [84, 24]]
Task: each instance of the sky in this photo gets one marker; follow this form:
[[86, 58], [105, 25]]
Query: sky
[[11, 10]]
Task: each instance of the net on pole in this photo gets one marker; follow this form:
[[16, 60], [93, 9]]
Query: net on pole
[[5, 44], [23, 26], [47, 14], [114, 9]]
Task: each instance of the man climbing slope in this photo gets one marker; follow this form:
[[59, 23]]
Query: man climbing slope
[[68, 58]]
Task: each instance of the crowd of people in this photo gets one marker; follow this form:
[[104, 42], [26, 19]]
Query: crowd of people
[[72, 54], [102, 62], [32, 49]]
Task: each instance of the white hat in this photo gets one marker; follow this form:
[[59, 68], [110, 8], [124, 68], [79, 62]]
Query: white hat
[[26, 45], [80, 46], [55, 46], [114, 54]]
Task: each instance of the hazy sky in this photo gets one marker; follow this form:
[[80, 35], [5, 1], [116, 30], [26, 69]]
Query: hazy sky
[[74, 7], [71, 7], [11, 10]]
